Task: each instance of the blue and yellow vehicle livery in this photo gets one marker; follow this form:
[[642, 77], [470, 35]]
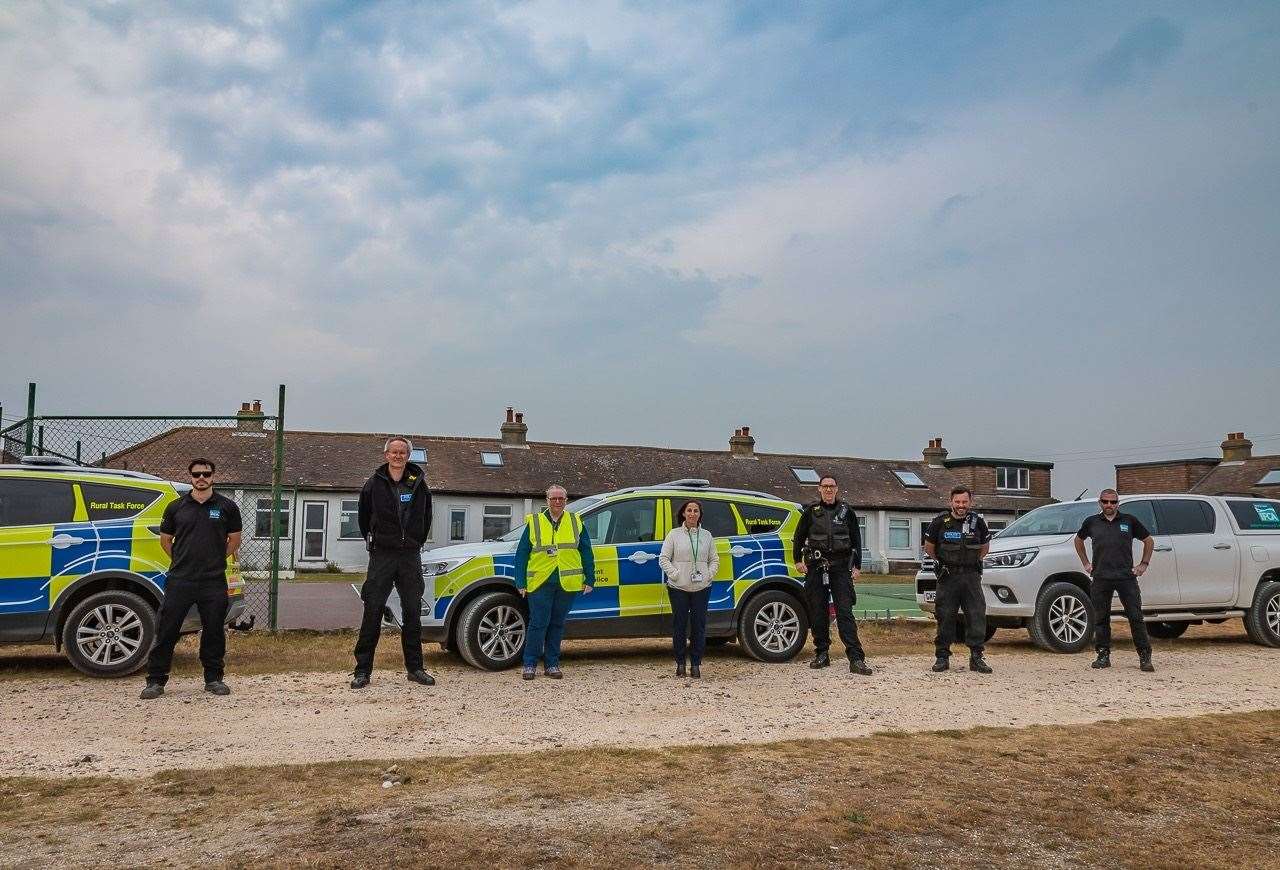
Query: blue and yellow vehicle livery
[[471, 605], [81, 562]]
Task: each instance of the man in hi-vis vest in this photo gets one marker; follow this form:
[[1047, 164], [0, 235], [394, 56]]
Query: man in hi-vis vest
[[553, 562]]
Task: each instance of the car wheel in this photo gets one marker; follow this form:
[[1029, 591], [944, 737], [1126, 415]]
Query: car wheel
[[1064, 618], [1167, 630], [109, 633], [773, 626], [491, 631], [1262, 622]]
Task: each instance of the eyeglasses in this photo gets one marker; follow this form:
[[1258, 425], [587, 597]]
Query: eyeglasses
[[202, 474], [827, 486], [1109, 501], [557, 498]]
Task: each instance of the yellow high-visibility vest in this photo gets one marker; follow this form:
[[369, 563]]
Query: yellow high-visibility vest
[[554, 549]]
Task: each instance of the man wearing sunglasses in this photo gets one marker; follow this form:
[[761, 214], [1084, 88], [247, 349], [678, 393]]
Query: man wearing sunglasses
[[199, 531], [1113, 533]]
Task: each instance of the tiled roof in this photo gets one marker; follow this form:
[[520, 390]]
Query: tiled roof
[[344, 460], [1240, 478]]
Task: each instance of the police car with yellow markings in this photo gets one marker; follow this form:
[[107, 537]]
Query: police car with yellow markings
[[471, 605], [81, 563]]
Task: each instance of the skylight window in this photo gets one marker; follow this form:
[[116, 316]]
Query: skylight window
[[418, 454], [493, 459], [910, 478], [805, 475], [1270, 478]]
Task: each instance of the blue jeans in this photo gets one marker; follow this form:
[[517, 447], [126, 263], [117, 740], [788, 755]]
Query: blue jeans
[[689, 623], [548, 606]]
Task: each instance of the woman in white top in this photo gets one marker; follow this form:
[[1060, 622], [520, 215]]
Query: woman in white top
[[689, 562]]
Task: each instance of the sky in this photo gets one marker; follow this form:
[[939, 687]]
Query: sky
[[1037, 230]]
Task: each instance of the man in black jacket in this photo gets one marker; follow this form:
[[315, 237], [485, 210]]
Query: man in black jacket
[[395, 521], [827, 549]]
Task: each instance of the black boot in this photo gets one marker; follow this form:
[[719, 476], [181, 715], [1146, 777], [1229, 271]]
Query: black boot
[[680, 669], [420, 677], [940, 664], [859, 666], [978, 663], [359, 680], [152, 691], [1144, 662], [695, 672], [1103, 660], [821, 660]]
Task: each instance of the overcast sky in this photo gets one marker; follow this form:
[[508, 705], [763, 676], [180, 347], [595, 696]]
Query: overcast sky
[[1037, 230]]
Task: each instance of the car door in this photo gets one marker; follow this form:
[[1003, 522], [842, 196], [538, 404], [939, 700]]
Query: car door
[[30, 511], [628, 598], [1206, 550], [1160, 586]]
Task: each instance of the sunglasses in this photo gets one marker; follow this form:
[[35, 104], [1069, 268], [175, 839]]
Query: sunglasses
[[1109, 501], [202, 474]]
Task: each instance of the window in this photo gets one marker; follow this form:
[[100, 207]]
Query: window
[[899, 534], [862, 533], [418, 454], [315, 522], [496, 521], [805, 475], [627, 522], [349, 520], [1056, 519], [457, 524], [36, 502], [717, 517], [262, 519], [761, 519], [992, 527], [1013, 477], [1144, 512], [492, 459], [115, 502], [1271, 478], [1253, 516], [910, 478], [1184, 516]]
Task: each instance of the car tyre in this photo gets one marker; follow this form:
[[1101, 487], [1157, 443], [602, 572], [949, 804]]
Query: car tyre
[[109, 633], [773, 626], [491, 631], [1063, 621], [1262, 622], [1167, 630]]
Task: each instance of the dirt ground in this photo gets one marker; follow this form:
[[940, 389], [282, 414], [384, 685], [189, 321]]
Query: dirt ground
[[68, 726]]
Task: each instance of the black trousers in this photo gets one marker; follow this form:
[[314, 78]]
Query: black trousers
[[689, 623], [841, 591], [960, 590], [401, 569], [1100, 592], [209, 597]]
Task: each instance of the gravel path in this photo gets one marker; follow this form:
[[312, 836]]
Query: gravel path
[[75, 727]]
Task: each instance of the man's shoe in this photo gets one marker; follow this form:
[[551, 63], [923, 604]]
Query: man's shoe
[[859, 666], [420, 677], [940, 664], [217, 687], [977, 663], [695, 672], [152, 690], [679, 669], [821, 660], [1144, 662], [528, 673], [1103, 660], [554, 673], [359, 680]]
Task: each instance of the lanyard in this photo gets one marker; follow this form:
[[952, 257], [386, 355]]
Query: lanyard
[[692, 545]]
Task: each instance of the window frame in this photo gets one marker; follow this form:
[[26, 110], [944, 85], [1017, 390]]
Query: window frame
[[900, 474], [151, 495], [1206, 509], [354, 513], [1263, 481], [486, 515], [899, 524], [486, 455], [70, 495], [286, 517], [452, 510], [323, 531], [1022, 472], [739, 505], [795, 472], [596, 510]]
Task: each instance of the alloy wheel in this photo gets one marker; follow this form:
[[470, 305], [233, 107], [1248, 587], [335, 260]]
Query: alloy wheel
[[109, 634]]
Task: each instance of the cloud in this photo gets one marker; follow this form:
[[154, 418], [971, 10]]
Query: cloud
[[1143, 47]]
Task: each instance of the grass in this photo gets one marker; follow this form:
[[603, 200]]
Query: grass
[[1164, 793], [356, 577]]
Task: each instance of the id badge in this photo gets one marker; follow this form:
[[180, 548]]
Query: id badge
[[697, 576], [551, 551]]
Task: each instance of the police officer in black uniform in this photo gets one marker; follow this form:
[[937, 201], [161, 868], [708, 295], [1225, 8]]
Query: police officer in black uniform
[[827, 550], [1113, 573], [958, 540], [395, 519]]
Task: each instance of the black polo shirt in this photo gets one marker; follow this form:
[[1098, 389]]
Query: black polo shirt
[[200, 534], [1113, 544]]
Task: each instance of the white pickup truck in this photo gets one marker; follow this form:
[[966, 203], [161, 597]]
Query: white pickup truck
[[1216, 558]]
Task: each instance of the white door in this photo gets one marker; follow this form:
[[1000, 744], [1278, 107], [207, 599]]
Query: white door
[[1160, 586], [1206, 549], [315, 518]]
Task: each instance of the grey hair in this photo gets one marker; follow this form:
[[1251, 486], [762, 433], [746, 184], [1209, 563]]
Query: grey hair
[[393, 438], [556, 486], [1108, 490]]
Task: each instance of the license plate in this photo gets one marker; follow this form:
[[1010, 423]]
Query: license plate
[[930, 596]]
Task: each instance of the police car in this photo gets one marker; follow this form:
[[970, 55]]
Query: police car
[[471, 605], [81, 563]]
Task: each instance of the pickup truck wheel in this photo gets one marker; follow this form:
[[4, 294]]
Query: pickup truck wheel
[[773, 626], [1262, 622], [491, 631], [1064, 619], [109, 634], [1167, 630]]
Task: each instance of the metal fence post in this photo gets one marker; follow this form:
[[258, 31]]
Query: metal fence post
[[277, 472], [31, 417]]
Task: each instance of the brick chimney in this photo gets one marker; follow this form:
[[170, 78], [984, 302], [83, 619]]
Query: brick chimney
[[935, 454], [1237, 448], [742, 445], [514, 430], [249, 419]]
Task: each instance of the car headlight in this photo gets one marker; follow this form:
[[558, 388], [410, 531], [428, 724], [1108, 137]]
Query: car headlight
[[431, 568], [1013, 559]]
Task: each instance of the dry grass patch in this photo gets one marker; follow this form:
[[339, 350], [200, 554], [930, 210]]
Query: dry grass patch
[[1154, 793]]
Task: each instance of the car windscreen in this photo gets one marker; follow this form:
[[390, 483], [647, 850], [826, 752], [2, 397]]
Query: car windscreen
[[576, 506], [1053, 519]]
